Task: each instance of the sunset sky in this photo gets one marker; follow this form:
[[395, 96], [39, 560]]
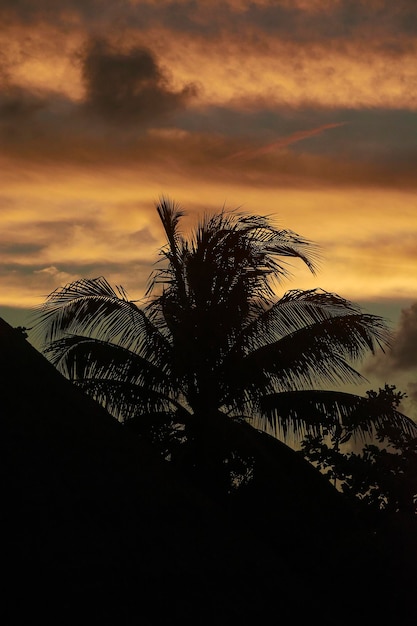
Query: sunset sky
[[304, 109]]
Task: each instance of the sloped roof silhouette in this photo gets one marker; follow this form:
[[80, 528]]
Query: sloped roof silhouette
[[95, 526]]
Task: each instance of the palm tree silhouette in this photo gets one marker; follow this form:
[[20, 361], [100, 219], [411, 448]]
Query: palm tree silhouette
[[212, 340]]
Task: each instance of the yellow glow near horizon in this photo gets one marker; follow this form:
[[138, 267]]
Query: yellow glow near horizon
[[362, 233]]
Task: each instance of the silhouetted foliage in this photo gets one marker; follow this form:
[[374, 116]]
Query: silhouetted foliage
[[23, 331], [383, 474], [213, 342], [94, 525]]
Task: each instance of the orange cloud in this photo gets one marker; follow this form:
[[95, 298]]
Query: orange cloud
[[275, 72], [80, 173], [239, 66]]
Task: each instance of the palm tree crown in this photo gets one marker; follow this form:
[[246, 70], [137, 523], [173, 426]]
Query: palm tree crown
[[213, 337]]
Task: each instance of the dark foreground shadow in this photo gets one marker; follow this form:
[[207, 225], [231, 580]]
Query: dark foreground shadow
[[97, 529]]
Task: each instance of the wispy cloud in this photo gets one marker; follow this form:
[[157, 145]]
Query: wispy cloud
[[284, 142]]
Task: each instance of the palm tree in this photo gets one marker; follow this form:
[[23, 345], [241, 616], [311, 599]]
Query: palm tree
[[212, 339]]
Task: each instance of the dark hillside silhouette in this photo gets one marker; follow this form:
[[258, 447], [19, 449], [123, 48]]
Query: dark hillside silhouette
[[95, 526]]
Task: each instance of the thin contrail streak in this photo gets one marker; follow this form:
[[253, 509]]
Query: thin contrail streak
[[283, 142]]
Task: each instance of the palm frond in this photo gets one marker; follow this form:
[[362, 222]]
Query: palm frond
[[350, 336], [312, 346], [254, 242], [78, 357], [299, 309], [126, 401], [272, 242], [93, 308], [170, 214], [228, 253], [312, 411]]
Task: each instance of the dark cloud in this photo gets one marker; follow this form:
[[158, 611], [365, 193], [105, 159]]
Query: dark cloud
[[399, 365], [375, 135], [128, 91], [70, 141], [18, 269], [18, 104], [18, 248], [412, 392], [27, 11], [128, 86], [332, 20], [404, 350], [385, 24], [124, 93], [403, 355]]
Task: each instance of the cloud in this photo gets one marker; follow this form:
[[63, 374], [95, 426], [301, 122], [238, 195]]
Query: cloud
[[55, 273], [403, 354], [27, 11], [18, 104], [15, 250], [69, 144], [381, 25], [98, 117], [128, 86], [399, 365], [128, 98], [412, 392], [404, 351], [275, 54], [284, 142]]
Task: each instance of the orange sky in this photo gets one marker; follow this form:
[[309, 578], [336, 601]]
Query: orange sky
[[303, 109]]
